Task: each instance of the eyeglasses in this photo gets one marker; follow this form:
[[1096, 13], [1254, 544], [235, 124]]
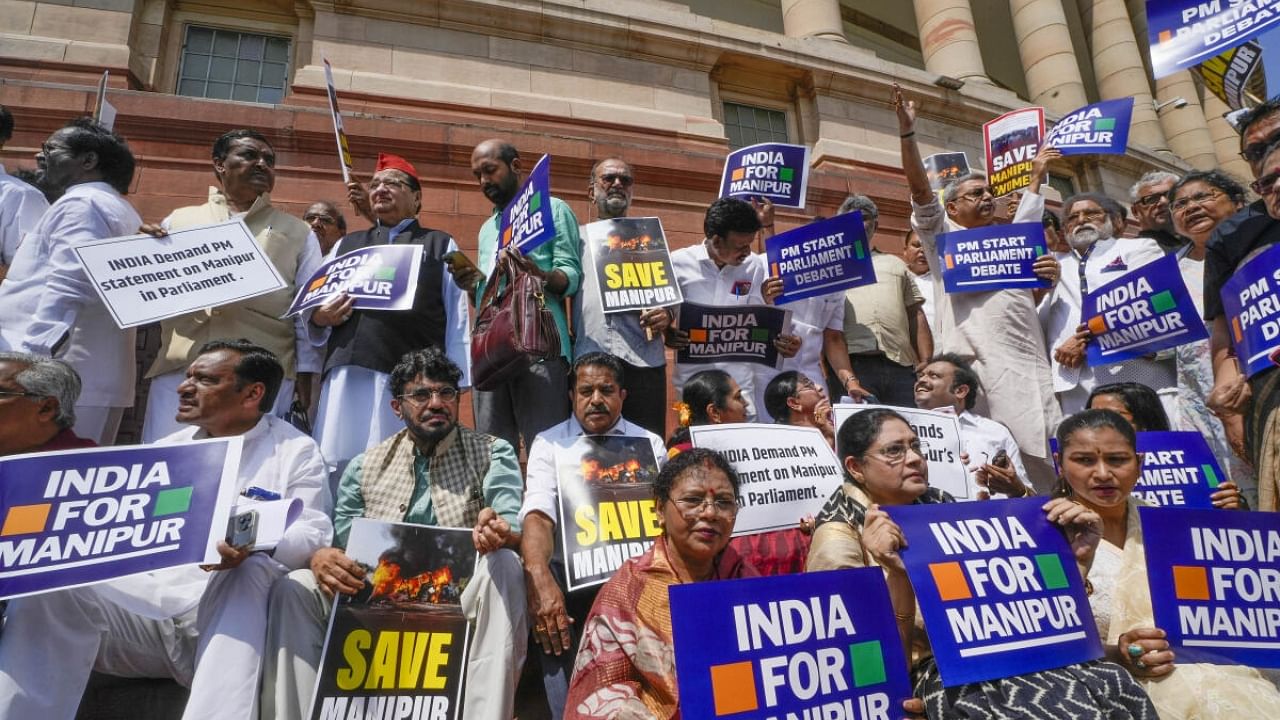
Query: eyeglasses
[[1256, 151], [804, 383], [389, 183], [16, 393], [1151, 199], [611, 178], [322, 219], [1200, 198], [421, 397], [1086, 216], [897, 452], [1266, 184], [977, 194], [691, 505]]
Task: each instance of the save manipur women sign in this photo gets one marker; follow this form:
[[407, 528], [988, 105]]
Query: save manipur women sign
[[76, 517], [377, 277], [1012, 141], [776, 171], [607, 511], [1183, 33], [398, 647], [995, 257], [998, 587], [1098, 129], [1143, 311], [939, 435], [527, 221], [734, 333], [786, 472], [1251, 300], [144, 279], [815, 646], [1215, 583], [821, 258], [632, 264]]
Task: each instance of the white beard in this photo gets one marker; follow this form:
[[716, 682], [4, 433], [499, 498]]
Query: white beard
[[1086, 235]]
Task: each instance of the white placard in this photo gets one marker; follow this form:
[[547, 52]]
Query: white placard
[[939, 434]]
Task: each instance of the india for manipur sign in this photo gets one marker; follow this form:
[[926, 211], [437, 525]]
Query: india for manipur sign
[[76, 517], [1143, 311], [737, 333], [939, 435], [776, 171], [632, 264], [998, 587], [1215, 583], [377, 277], [398, 647], [1251, 300], [1231, 75], [527, 221], [1178, 469], [814, 645], [786, 472], [1098, 129], [607, 511], [995, 257], [821, 258], [1012, 141], [144, 279], [1183, 33]]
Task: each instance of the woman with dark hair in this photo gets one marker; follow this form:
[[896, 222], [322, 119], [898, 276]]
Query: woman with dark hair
[[625, 666], [1100, 465], [710, 397], [791, 398]]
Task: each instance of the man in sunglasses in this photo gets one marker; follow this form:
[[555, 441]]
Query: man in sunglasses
[[1149, 198]]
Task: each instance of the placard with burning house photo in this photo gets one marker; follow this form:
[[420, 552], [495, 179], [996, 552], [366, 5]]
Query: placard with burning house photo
[[398, 648], [632, 264], [607, 511]]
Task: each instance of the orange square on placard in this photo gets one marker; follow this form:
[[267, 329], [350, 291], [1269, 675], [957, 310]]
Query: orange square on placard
[[26, 519], [1235, 329], [1190, 583], [1097, 325], [738, 174], [733, 688], [1165, 36], [950, 581], [319, 283], [951, 261], [698, 335]]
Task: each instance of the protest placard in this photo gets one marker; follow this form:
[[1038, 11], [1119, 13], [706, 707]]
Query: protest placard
[[377, 277], [144, 279], [995, 257], [786, 472], [1178, 470], [942, 168], [821, 258], [1215, 583], [939, 434], [1145, 310], [77, 517], [607, 511], [738, 333], [1183, 33], [339, 132], [632, 264], [527, 221], [1231, 77], [398, 647], [1012, 141], [777, 171], [1098, 129], [998, 587], [815, 645], [1251, 302]]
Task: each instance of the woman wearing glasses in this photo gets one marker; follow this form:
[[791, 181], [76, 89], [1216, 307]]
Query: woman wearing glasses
[[625, 666]]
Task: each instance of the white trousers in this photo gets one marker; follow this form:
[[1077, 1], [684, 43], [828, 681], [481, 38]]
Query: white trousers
[[162, 405], [99, 424], [354, 414], [494, 602], [52, 641]]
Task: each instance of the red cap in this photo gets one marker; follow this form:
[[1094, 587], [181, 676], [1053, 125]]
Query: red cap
[[387, 161]]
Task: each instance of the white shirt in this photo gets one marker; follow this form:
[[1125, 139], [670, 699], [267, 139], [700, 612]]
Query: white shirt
[[21, 206], [981, 438], [925, 284], [47, 295]]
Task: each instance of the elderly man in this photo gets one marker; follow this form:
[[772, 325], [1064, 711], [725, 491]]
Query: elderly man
[[37, 405], [245, 165], [326, 223], [21, 204], [48, 306], [997, 331], [203, 629], [364, 345], [432, 472], [634, 337], [1091, 228], [597, 395], [530, 402], [1149, 201]]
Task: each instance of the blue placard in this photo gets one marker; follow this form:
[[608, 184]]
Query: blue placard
[[777, 171], [527, 221], [1215, 583], [1098, 129], [378, 277], [995, 257], [820, 645], [821, 258], [1141, 312], [998, 587], [1178, 470], [733, 333], [1183, 33], [1251, 301]]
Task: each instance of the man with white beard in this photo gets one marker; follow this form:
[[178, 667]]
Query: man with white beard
[[1097, 257]]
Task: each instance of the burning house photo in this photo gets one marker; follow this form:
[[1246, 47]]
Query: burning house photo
[[412, 565], [633, 235]]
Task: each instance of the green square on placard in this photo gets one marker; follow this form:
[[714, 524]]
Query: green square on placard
[[867, 659], [535, 202], [172, 501], [1163, 302], [760, 334], [1051, 571], [1104, 124], [1209, 475], [385, 273], [785, 174], [1039, 250], [857, 250]]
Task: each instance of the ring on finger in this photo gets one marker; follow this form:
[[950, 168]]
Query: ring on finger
[[1139, 664]]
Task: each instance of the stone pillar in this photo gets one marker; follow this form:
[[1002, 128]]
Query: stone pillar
[[1226, 141], [1185, 127], [1048, 57], [1118, 69], [948, 40], [813, 18]]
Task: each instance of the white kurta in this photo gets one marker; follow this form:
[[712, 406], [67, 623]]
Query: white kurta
[[981, 438], [21, 206]]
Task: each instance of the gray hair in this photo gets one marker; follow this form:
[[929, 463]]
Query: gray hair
[[1153, 177], [950, 189], [47, 377], [860, 202]]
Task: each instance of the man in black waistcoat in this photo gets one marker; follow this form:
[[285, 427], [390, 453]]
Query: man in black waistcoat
[[364, 345]]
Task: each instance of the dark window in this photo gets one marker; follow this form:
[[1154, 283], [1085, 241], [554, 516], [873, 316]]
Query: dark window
[[748, 125], [231, 65]]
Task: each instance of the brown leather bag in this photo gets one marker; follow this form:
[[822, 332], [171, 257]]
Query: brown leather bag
[[513, 329]]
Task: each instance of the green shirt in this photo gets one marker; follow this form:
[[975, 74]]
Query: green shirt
[[503, 491], [559, 253]]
